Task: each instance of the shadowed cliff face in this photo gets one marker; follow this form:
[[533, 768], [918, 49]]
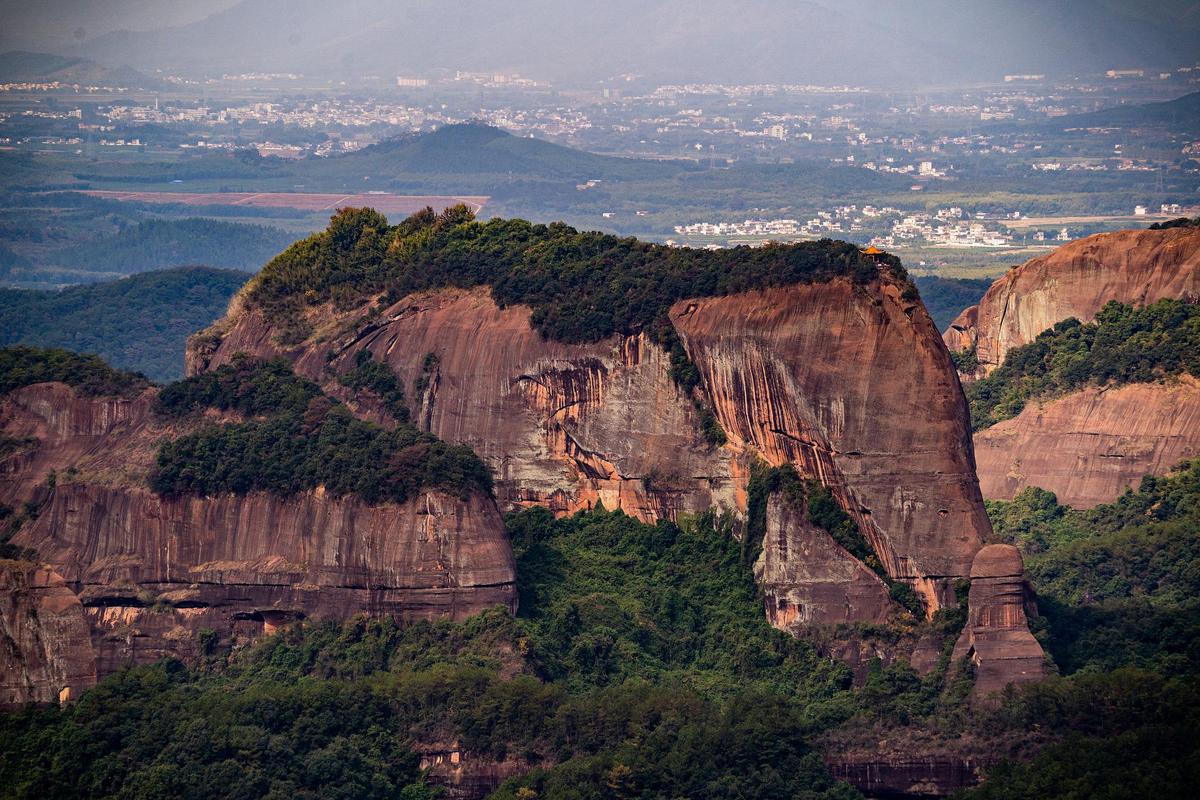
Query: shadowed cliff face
[[145, 573], [1092, 445], [46, 654], [1076, 280], [809, 578], [848, 383]]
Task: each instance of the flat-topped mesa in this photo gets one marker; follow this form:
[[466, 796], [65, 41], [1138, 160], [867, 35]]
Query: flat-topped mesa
[[130, 575], [1077, 280], [584, 368], [996, 637]]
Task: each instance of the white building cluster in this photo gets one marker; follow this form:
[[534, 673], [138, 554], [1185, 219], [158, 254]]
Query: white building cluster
[[946, 227]]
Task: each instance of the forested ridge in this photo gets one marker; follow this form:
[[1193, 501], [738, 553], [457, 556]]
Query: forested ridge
[[1124, 344], [87, 374], [581, 286], [139, 323], [295, 438]]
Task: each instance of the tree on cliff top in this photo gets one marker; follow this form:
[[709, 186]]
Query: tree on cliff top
[[582, 286]]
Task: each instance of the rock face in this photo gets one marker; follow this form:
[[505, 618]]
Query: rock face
[[996, 636], [1076, 280], [146, 574], [809, 578], [853, 388], [1089, 446], [849, 383], [46, 653], [906, 777]]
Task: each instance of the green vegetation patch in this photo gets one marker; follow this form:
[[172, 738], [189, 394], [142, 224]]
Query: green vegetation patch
[[139, 323], [1179, 222], [641, 666], [297, 439], [1119, 584], [582, 286], [87, 374], [1123, 345], [379, 378], [1123, 734]]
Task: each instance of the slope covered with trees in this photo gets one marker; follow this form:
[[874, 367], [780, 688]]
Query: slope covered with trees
[[88, 374], [1123, 344], [295, 438], [582, 286], [139, 323], [944, 298], [1117, 589], [159, 243]]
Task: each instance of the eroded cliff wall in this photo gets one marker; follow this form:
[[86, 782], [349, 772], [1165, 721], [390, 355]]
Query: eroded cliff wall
[[1091, 445], [852, 387], [849, 383], [146, 573], [1076, 280]]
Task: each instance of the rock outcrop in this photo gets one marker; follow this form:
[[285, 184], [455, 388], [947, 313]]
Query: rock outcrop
[[46, 652], [1077, 280], [847, 382], [808, 578], [1091, 445], [145, 574], [996, 637]]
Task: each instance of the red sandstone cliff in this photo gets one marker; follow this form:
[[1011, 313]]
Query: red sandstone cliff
[[1076, 280], [996, 637], [141, 574], [849, 383], [46, 654], [1090, 446]]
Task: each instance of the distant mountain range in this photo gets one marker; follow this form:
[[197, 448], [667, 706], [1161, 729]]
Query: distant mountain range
[[1182, 111], [21, 65], [854, 41]]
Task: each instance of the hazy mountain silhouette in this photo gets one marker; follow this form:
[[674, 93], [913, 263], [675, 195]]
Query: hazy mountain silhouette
[[858, 41]]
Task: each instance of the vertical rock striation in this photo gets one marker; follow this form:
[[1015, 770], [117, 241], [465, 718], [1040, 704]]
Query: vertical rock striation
[[851, 385], [847, 382], [1092, 445], [45, 650], [138, 576]]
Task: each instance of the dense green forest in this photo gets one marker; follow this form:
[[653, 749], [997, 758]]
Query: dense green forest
[[139, 323], [581, 286], [1118, 584], [944, 298], [89, 374], [640, 665], [158, 243], [1123, 345], [641, 657], [1118, 590], [296, 438]]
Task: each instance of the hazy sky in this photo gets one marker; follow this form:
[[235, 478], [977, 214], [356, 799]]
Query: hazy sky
[[51, 23], [873, 42]]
